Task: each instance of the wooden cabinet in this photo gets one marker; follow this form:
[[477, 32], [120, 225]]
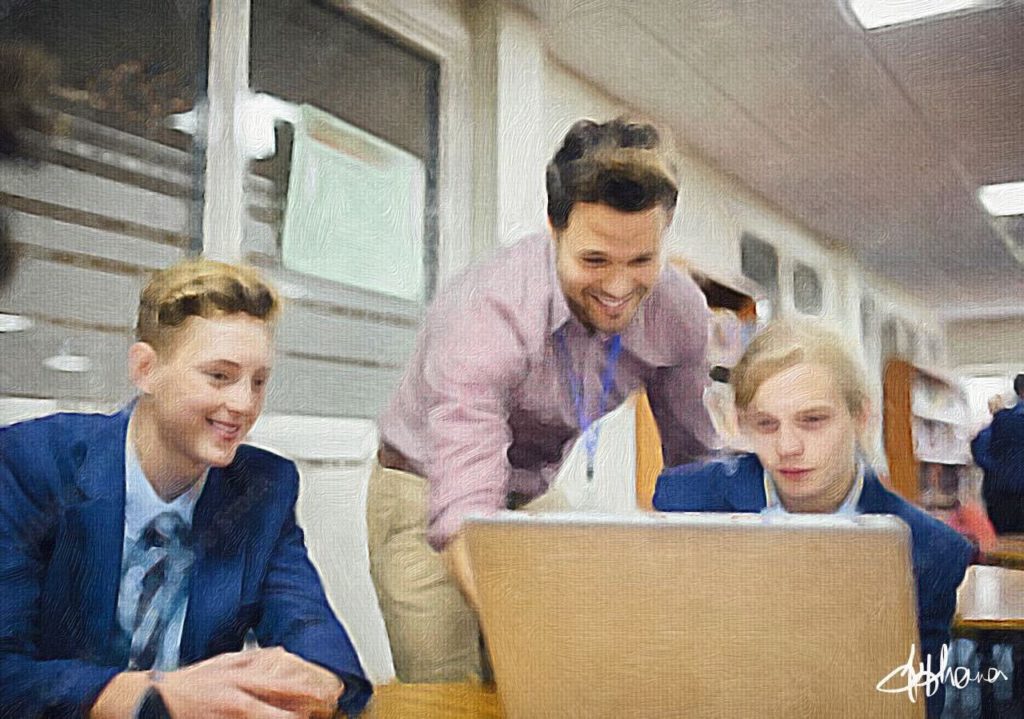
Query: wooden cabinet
[[926, 433]]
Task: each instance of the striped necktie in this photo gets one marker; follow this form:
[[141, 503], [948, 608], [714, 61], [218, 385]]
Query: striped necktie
[[167, 560]]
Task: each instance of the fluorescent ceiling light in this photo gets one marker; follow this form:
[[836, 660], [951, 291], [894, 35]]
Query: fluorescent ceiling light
[[68, 363], [1002, 200], [14, 323], [880, 13]]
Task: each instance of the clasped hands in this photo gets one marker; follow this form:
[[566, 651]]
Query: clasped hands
[[268, 683]]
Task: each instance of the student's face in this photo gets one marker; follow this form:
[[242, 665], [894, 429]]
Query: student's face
[[803, 433], [207, 389], [608, 261]]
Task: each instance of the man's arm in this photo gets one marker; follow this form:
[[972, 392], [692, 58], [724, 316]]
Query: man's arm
[[981, 449], [676, 395], [476, 358], [456, 560]]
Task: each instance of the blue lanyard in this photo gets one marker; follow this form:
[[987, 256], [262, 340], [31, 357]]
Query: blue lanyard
[[589, 430]]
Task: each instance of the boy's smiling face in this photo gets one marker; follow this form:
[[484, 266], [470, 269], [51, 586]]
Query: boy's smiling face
[[207, 388]]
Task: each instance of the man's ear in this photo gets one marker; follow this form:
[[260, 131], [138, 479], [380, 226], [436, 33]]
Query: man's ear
[[142, 365]]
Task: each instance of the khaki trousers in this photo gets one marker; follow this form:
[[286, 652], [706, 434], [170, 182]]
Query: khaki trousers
[[434, 635]]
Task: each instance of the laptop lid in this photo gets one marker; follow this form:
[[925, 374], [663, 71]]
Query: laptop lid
[[695, 614]]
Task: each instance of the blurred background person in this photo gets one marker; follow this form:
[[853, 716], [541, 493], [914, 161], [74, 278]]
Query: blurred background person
[[999, 451], [26, 75]]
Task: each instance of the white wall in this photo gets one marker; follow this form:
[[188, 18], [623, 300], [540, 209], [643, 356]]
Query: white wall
[[333, 456]]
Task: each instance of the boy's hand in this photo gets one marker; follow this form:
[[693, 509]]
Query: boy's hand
[[262, 683]]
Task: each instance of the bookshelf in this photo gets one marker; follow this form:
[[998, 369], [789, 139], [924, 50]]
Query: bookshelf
[[926, 433]]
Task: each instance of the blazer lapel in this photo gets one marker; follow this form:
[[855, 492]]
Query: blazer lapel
[[95, 529], [873, 498], [744, 487], [214, 592]]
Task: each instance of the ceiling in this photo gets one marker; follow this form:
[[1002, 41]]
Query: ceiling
[[876, 140]]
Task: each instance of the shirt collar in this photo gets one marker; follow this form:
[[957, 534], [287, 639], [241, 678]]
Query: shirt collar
[[559, 312], [848, 506], [142, 503]]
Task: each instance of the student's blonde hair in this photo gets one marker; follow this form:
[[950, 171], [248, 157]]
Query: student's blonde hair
[[783, 344], [200, 288]]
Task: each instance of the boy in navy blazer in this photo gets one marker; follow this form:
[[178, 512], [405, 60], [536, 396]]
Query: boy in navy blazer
[[138, 550]]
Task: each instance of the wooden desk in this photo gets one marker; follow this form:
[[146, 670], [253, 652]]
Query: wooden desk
[[991, 599], [434, 701], [1009, 552]]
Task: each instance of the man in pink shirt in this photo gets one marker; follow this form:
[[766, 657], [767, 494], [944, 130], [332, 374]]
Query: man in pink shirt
[[516, 359]]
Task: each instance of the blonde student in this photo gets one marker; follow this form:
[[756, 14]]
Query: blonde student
[[803, 405], [137, 550]]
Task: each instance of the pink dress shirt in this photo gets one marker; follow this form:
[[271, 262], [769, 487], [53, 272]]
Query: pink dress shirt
[[484, 410]]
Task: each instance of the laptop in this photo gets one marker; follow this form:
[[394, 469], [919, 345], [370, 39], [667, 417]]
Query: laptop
[[695, 615]]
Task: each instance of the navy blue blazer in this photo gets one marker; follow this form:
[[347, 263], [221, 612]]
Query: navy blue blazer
[[61, 534], [981, 449], [1006, 452], [940, 555]]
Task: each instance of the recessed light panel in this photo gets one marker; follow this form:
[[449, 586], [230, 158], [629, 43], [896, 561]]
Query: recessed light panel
[[14, 323], [1004, 199], [874, 14]]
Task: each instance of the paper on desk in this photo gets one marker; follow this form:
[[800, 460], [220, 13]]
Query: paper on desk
[[613, 487]]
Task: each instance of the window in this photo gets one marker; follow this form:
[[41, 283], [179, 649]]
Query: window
[[760, 263], [115, 190], [342, 199], [806, 289], [353, 167]]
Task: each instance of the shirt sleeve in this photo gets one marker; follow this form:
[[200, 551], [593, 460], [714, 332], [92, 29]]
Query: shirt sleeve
[[676, 394], [475, 359]]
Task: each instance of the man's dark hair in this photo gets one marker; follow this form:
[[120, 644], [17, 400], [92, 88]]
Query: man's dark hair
[[1018, 385], [618, 163]]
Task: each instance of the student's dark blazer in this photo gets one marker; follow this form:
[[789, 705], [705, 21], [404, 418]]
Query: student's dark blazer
[[1006, 452], [62, 495], [940, 555]]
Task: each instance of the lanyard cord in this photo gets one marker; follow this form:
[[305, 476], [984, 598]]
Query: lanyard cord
[[587, 427]]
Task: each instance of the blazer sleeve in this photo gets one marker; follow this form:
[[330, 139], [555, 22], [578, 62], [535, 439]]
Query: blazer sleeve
[[32, 687], [981, 449], [692, 487], [295, 613], [941, 576]]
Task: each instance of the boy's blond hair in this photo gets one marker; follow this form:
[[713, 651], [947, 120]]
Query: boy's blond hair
[[784, 344], [200, 288]]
